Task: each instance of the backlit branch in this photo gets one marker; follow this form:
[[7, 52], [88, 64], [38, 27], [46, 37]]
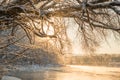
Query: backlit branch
[[88, 14]]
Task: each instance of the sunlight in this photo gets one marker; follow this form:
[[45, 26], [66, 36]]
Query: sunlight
[[48, 29], [44, 27], [95, 69]]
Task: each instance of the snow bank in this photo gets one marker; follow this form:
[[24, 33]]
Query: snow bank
[[10, 78]]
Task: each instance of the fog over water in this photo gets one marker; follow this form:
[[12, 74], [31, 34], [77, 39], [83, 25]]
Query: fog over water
[[70, 72]]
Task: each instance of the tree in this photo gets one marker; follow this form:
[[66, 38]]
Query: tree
[[94, 18]]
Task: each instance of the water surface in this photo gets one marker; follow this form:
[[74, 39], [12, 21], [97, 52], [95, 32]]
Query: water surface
[[71, 72]]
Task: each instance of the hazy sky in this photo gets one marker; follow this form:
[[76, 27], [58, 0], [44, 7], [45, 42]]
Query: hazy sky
[[112, 46]]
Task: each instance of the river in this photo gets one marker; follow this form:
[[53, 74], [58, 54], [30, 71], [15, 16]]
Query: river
[[70, 72]]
